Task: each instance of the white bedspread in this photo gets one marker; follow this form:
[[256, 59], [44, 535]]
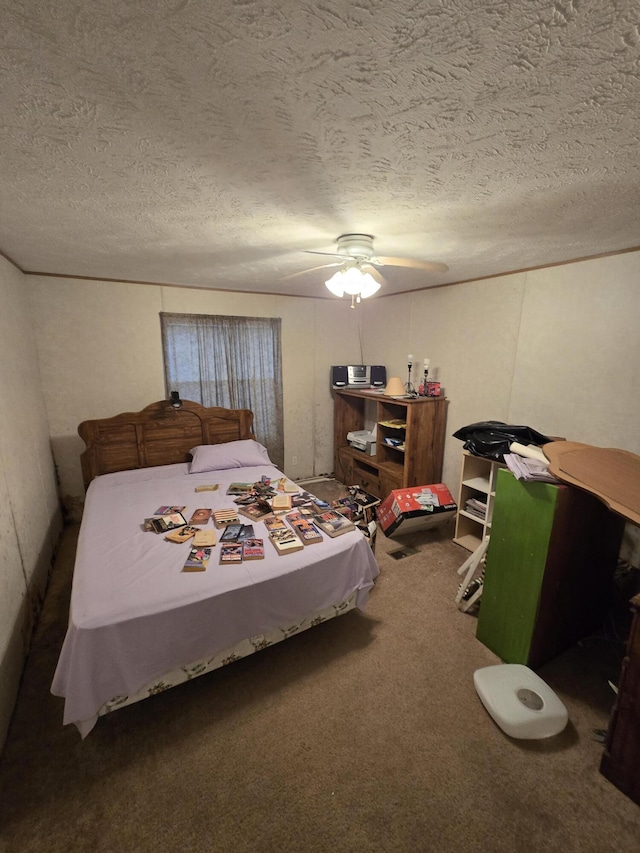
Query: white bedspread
[[135, 615]]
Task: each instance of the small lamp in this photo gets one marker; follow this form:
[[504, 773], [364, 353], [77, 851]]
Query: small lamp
[[395, 387], [176, 402]]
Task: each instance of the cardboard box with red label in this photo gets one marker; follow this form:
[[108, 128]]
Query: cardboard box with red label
[[415, 508]]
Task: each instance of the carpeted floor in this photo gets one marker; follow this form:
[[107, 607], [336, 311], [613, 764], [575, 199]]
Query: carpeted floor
[[362, 734]]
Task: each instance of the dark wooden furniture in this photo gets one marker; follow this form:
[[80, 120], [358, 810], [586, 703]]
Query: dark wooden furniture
[[418, 463], [157, 435], [621, 760], [549, 569]]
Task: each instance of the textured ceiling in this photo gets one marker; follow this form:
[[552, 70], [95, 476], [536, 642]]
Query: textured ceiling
[[210, 143]]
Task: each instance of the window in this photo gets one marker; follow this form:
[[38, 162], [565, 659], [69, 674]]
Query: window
[[234, 362]]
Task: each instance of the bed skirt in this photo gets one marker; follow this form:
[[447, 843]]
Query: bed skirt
[[241, 650]]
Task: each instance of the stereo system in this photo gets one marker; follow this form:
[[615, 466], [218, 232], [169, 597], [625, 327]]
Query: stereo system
[[358, 376]]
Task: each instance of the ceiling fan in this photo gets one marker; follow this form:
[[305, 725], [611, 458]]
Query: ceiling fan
[[359, 276]]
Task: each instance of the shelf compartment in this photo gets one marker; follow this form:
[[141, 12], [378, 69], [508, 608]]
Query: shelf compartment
[[479, 483]]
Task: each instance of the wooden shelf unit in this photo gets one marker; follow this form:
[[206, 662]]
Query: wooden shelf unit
[[417, 462], [477, 480]]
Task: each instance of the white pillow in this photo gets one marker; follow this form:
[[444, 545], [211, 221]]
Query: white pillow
[[231, 454]]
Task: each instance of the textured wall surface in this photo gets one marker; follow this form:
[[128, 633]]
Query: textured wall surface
[[209, 144], [31, 519]]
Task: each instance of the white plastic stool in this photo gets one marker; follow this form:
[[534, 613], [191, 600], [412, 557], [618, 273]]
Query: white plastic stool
[[520, 702]]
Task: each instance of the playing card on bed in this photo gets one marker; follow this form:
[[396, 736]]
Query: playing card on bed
[[197, 560]]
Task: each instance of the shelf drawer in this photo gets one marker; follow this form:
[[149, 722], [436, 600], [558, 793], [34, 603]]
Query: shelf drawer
[[367, 477]]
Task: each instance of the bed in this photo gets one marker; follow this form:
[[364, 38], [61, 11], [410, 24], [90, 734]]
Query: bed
[[138, 624]]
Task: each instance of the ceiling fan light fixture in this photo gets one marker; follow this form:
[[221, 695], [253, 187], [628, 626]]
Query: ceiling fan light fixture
[[354, 282], [336, 284]]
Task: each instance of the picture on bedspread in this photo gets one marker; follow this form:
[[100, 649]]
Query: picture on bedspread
[[281, 501], [231, 533], [239, 488], [253, 549], [231, 553], [247, 532], [200, 515], [204, 538], [197, 560], [223, 517], [285, 541], [164, 523], [257, 511], [307, 531], [181, 534], [275, 523], [333, 523]]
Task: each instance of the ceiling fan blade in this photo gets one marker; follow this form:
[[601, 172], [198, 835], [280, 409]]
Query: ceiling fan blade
[[431, 266], [330, 254], [374, 273], [312, 269]]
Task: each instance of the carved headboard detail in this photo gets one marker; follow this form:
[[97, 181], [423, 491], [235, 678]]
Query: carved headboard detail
[[158, 435]]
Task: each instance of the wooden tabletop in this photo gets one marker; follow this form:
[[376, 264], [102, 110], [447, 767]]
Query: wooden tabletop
[[613, 475]]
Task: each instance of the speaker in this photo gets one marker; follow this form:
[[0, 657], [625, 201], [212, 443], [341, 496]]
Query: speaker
[[378, 375], [339, 376]]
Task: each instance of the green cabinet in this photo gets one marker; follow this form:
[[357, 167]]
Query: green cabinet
[[549, 569]]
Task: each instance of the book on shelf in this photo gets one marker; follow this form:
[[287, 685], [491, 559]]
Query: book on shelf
[[197, 560], [200, 515], [165, 523], [394, 423], [230, 552], [231, 533], [285, 541], [181, 534], [222, 517], [253, 549], [476, 503], [333, 523], [308, 532]]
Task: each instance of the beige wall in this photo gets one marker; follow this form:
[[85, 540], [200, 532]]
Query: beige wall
[[101, 353], [30, 522], [555, 349]]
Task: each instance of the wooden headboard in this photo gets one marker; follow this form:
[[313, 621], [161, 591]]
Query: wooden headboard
[[158, 435]]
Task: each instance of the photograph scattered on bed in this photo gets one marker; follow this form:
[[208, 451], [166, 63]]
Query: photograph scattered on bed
[[142, 621]]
